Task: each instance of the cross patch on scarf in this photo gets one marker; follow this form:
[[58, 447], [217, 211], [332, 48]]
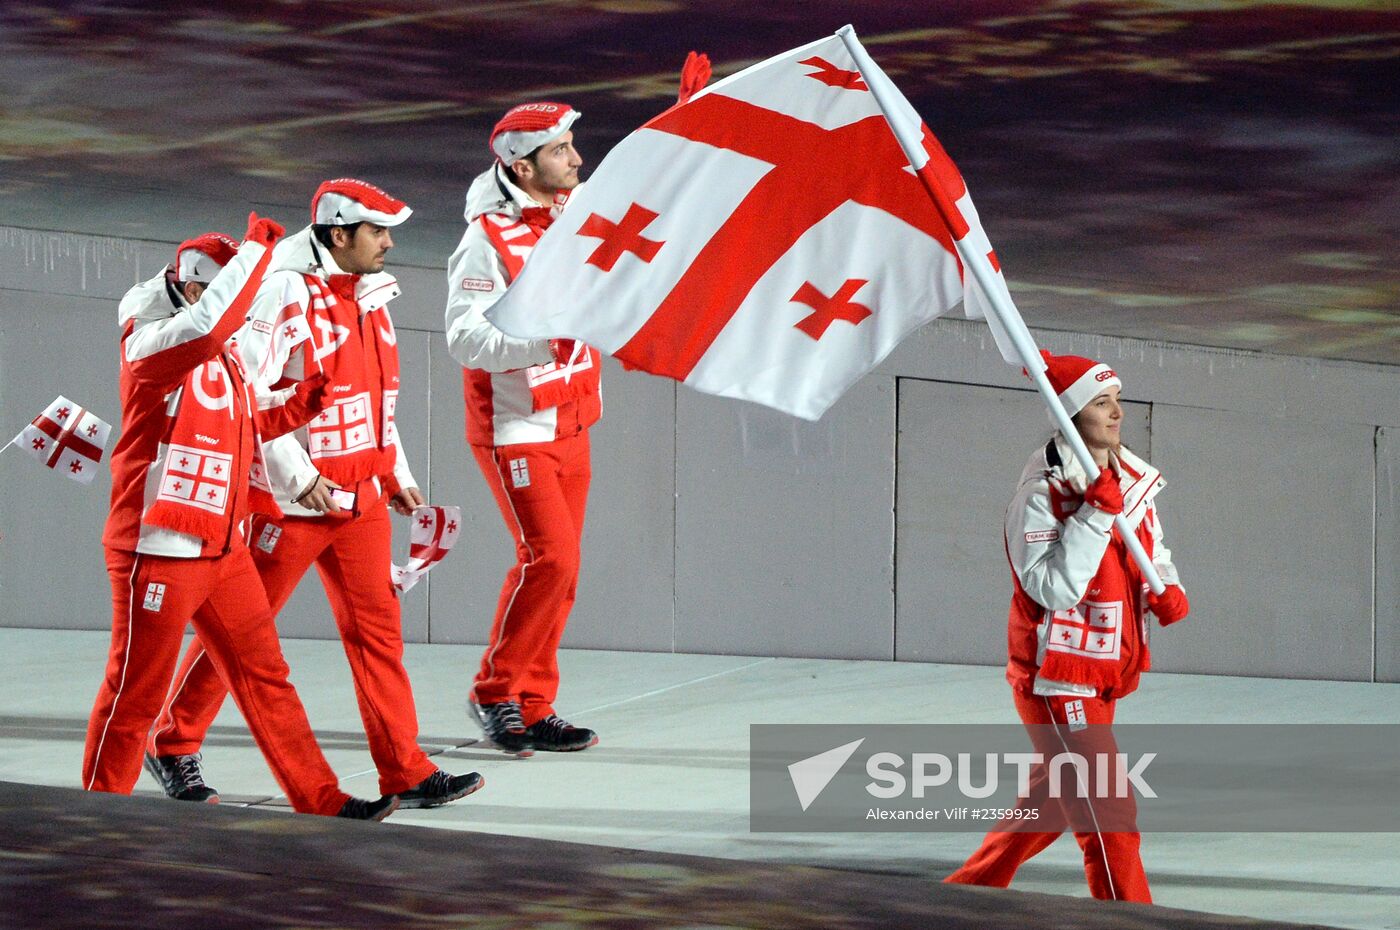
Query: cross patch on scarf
[[1093, 628], [197, 478], [342, 429]]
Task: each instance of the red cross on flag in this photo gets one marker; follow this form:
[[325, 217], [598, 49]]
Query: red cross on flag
[[66, 438], [435, 531], [770, 239]]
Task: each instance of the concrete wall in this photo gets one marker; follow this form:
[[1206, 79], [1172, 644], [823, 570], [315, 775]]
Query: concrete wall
[[721, 527]]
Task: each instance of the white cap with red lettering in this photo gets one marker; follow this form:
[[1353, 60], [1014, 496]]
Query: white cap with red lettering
[[202, 257], [346, 201], [529, 126], [1078, 380]]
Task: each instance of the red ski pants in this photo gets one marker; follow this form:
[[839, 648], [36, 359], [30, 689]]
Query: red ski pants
[[153, 600], [542, 491], [1111, 860], [352, 556]]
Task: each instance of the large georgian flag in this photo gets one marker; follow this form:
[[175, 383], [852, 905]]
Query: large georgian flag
[[66, 438], [767, 240]]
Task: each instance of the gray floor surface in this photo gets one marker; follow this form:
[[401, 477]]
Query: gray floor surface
[[671, 773]]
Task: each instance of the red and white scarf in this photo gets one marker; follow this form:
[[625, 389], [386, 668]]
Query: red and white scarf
[[1084, 645], [200, 479], [558, 382], [353, 438]]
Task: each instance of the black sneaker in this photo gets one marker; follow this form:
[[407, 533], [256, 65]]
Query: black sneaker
[[180, 778], [360, 809], [503, 726], [440, 788], [554, 734]]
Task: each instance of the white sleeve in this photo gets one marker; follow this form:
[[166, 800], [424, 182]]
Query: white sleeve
[[1161, 555], [475, 281], [269, 356], [402, 473], [166, 350], [1054, 561], [289, 468], [262, 341]]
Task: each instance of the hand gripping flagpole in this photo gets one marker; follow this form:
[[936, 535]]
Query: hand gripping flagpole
[[908, 131]]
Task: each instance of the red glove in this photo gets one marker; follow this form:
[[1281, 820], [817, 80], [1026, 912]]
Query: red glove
[[1169, 606], [1104, 493], [695, 74], [262, 230]]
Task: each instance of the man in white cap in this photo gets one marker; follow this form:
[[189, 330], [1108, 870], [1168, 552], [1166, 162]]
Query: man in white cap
[[185, 481], [333, 477], [529, 404]]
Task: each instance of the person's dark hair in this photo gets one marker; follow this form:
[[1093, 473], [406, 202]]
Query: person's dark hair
[[322, 232], [532, 158]]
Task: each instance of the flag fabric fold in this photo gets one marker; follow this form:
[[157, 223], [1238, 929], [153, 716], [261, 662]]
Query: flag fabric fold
[[67, 438], [769, 239], [435, 531]]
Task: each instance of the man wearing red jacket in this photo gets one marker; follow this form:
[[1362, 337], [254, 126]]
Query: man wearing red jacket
[[186, 476], [529, 404], [334, 479]]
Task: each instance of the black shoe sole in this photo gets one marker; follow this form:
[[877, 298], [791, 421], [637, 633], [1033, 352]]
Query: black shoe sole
[[523, 753], [540, 747], [409, 804], [386, 812]]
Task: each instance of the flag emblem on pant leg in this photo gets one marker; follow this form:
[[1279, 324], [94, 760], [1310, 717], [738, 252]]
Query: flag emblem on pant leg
[[267, 539], [520, 473], [1074, 714], [155, 595]]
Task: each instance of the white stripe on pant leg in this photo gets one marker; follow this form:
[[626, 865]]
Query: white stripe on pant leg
[[501, 634], [1103, 850], [126, 659], [176, 687]]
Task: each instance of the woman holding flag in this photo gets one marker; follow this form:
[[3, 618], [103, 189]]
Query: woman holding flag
[[1078, 627]]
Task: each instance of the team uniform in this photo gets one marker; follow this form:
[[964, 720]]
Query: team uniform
[[355, 444], [1078, 638], [186, 477], [529, 404]]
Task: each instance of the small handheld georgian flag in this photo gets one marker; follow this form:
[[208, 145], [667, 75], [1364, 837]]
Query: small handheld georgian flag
[[66, 438], [435, 530]]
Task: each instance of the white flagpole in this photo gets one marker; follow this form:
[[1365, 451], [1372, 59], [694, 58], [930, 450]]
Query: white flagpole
[[889, 98]]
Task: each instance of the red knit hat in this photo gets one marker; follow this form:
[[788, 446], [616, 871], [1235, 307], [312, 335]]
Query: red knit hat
[[346, 201], [529, 126], [202, 257], [1078, 380]]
